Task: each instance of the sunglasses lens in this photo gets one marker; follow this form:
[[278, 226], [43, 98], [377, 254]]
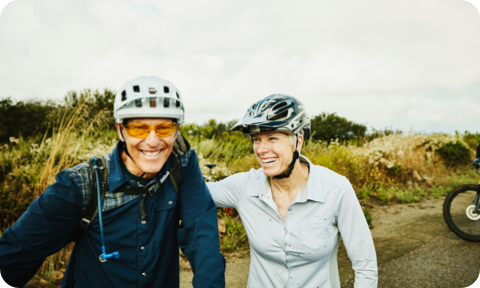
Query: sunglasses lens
[[142, 131], [165, 130], [137, 130]]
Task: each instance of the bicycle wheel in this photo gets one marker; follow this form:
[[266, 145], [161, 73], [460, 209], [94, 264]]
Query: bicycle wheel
[[457, 205]]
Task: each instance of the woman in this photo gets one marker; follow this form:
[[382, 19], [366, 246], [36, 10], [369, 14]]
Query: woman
[[294, 212]]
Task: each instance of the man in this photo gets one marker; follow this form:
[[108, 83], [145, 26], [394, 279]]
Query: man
[[141, 208]]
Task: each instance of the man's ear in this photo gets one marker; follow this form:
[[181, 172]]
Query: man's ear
[[177, 132], [118, 127]]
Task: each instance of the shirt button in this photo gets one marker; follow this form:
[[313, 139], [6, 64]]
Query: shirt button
[[142, 248], [170, 202], [144, 222], [283, 249], [290, 209], [286, 267], [144, 274], [284, 228]]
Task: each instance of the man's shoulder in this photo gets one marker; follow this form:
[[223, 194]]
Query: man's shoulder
[[81, 174], [184, 159], [82, 171]]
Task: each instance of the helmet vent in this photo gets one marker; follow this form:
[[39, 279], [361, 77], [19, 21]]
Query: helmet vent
[[279, 105], [254, 105], [281, 116], [166, 90], [124, 95], [153, 103], [136, 89], [138, 102], [178, 102], [166, 102]]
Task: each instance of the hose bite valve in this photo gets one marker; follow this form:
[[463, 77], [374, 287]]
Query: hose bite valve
[[104, 256]]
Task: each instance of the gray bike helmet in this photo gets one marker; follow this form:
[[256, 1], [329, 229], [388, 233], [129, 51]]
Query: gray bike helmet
[[276, 112], [279, 113]]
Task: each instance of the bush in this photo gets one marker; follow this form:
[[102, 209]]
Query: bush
[[327, 127], [471, 139], [454, 153], [24, 118], [32, 119]]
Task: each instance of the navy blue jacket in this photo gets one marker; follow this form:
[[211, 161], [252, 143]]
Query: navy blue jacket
[[148, 249]]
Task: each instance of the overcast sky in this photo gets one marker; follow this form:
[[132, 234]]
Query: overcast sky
[[410, 64]]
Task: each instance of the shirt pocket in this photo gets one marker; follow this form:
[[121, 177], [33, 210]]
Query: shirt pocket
[[314, 234], [166, 203], [165, 199]]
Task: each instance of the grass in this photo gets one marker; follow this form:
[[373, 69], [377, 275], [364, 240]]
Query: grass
[[235, 237], [27, 168], [382, 168]]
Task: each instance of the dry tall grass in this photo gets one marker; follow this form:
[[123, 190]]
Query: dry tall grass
[[72, 138], [381, 169]]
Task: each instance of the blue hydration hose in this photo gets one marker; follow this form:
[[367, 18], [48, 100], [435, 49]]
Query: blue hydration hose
[[104, 256]]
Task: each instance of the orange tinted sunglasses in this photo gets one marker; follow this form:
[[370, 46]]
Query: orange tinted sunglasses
[[139, 130]]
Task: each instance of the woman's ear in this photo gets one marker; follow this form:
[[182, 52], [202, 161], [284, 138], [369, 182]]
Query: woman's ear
[[299, 142]]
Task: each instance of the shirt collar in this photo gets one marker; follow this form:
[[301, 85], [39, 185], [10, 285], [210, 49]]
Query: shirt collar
[[308, 193], [313, 190]]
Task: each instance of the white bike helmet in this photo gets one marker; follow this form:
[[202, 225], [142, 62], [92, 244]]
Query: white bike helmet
[[148, 97]]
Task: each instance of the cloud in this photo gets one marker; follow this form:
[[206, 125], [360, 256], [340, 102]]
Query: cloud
[[367, 60]]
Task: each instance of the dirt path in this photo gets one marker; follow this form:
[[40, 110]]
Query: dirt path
[[414, 248]]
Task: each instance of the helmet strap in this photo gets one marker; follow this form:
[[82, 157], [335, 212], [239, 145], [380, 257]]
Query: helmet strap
[[296, 155], [124, 142]]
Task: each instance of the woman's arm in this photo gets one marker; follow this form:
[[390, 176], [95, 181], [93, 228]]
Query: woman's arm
[[357, 238], [227, 192]]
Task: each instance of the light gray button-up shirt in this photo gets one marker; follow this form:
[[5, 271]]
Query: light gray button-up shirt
[[300, 251]]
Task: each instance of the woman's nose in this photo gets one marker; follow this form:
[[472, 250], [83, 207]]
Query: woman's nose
[[261, 148]]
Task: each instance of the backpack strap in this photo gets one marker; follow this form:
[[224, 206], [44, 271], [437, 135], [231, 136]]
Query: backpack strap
[[175, 175], [92, 209]]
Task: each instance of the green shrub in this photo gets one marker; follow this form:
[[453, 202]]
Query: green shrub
[[24, 118], [235, 235], [330, 126], [33, 118], [368, 216], [471, 139], [454, 153]]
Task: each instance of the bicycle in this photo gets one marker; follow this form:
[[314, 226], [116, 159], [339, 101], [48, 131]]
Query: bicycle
[[461, 211]]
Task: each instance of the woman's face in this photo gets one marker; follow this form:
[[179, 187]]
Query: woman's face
[[274, 152]]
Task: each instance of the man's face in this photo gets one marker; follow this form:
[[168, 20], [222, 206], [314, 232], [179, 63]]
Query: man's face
[[149, 154]]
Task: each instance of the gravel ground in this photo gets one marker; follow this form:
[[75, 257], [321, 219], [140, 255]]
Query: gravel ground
[[414, 248]]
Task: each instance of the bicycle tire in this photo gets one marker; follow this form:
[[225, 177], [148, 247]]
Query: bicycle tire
[[456, 218]]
